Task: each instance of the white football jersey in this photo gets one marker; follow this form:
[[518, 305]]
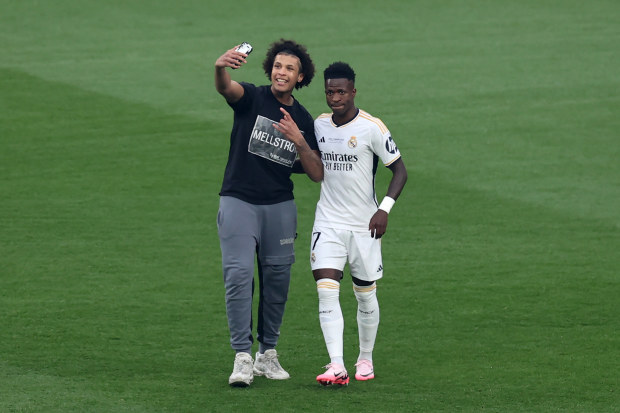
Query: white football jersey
[[350, 155]]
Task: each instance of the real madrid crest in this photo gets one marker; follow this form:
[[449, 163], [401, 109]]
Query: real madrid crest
[[353, 142]]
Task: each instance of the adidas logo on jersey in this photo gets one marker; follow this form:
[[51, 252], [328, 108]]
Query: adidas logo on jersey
[[380, 268], [322, 140]]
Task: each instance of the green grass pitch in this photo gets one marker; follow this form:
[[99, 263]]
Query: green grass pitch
[[502, 257]]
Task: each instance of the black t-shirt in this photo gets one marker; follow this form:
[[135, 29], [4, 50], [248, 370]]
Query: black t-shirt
[[260, 158]]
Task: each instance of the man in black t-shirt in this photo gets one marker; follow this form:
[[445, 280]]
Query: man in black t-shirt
[[272, 136]]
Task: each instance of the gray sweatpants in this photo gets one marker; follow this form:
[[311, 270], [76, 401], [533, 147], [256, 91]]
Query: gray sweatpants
[[267, 232]]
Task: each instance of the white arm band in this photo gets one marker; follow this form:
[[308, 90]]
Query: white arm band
[[387, 204]]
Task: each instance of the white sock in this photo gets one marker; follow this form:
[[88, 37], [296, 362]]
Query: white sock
[[330, 317], [367, 318]]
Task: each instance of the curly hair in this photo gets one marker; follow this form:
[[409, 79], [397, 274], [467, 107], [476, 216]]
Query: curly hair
[[339, 70], [295, 49]]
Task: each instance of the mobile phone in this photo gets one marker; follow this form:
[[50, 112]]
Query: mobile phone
[[244, 47]]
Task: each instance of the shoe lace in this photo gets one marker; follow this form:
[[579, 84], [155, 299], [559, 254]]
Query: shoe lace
[[272, 361], [242, 364], [331, 366], [366, 363]]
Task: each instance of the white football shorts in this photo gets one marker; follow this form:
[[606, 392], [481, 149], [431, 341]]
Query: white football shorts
[[332, 248]]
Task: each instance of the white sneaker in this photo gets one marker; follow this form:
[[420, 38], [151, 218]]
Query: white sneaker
[[267, 365], [242, 375]]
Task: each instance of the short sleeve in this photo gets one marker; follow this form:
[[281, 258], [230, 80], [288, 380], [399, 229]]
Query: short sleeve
[[384, 145], [245, 103]]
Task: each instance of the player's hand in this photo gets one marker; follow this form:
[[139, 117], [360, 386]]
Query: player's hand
[[232, 59], [289, 128], [378, 224]]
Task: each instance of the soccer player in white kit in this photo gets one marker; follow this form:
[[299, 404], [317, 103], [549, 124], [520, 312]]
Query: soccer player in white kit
[[349, 223]]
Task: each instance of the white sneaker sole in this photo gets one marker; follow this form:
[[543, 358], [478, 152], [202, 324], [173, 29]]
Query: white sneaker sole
[[270, 376], [240, 382]]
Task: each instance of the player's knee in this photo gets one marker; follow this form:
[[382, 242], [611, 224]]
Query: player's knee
[[365, 293], [328, 290]]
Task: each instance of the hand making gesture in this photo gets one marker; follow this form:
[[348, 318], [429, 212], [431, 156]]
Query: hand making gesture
[[288, 128]]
